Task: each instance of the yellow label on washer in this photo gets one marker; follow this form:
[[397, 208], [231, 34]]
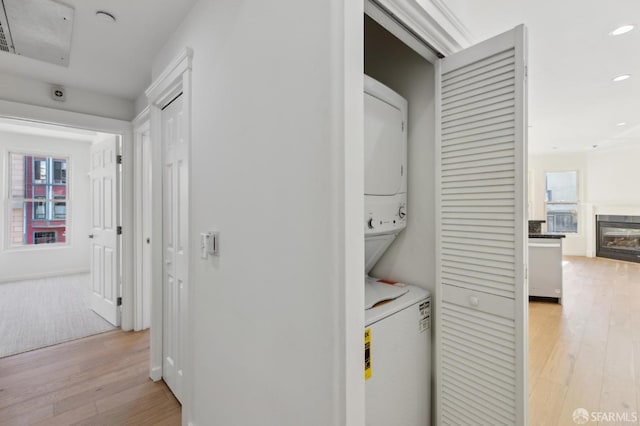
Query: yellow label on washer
[[367, 353]]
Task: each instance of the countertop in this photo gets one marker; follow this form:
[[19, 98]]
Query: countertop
[[552, 236]]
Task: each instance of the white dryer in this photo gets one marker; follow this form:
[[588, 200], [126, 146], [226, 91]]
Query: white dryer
[[385, 168]]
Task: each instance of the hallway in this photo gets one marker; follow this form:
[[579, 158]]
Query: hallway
[[99, 380]]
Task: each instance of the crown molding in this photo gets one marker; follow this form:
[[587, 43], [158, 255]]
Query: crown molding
[[433, 21], [461, 29]]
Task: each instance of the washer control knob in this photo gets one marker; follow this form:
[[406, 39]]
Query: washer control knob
[[370, 223], [402, 212]]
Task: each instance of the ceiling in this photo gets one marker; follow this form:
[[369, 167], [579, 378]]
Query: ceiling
[[110, 58], [573, 102]]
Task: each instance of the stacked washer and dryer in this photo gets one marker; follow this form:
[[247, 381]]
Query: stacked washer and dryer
[[397, 315]]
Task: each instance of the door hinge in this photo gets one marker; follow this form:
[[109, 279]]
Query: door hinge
[[119, 159], [119, 301], [119, 230], [403, 126]]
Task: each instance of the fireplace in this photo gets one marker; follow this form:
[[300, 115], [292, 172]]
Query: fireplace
[[618, 237]]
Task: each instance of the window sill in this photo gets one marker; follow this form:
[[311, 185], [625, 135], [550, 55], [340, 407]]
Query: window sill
[[38, 247]]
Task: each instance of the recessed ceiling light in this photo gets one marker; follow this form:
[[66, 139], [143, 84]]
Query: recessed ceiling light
[[622, 123], [621, 30], [622, 77], [105, 16]]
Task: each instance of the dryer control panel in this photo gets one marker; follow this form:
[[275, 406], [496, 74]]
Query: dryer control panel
[[384, 215]]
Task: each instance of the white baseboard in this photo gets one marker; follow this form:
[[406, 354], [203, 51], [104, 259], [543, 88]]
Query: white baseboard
[[155, 373], [40, 276]]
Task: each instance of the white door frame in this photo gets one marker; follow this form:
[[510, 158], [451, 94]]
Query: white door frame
[[46, 115], [175, 79], [141, 127]]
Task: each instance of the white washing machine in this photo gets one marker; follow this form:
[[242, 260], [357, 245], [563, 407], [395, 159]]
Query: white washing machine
[[398, 357], [397, 316]]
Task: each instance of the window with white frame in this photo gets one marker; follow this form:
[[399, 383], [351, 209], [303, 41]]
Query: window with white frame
[[38, 199], [561, 200]]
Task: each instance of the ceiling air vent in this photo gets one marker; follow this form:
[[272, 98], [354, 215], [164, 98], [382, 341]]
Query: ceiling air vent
[[37, 29], [4, 46], [5, 35]]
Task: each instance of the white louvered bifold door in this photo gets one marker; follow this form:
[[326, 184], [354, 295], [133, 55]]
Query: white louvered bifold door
[[481, 309]]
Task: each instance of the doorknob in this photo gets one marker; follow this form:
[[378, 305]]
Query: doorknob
[[148, 240], [90, 235]]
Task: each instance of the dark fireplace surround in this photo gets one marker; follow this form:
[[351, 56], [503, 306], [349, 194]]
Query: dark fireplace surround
[[618, 237]]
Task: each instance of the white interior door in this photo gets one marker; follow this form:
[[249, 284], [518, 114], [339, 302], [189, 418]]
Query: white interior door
[[147, 218], [104, 229], [143, 218], [175, 242], [481, 291]]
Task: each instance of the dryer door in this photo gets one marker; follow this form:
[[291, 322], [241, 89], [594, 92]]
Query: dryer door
[[385, 146]]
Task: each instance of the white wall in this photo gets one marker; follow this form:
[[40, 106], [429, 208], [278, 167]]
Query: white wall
[[34, 92], [607, 185], [32, 262], [411, 257], [612, 176], [268, 170]]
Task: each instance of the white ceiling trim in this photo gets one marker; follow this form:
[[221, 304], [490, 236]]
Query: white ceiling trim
[[463, 32], [162, 90], [436, 24]]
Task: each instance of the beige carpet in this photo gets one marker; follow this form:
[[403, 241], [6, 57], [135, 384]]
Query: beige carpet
[[39, 313]]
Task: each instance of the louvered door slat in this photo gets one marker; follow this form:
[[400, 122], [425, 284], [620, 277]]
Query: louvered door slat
[[486, 139], [494, 158], [477, 65], [470, 254], [483, 98], [483, 86], [502, 290], [477, 190], [479, 79], [473, 94], [479, 183], [469, 246], [467, 104], [484, 153], [478, 132], [472, 383], [481, 234]]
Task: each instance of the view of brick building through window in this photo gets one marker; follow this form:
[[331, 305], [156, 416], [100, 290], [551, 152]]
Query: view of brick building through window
[[38, 197]]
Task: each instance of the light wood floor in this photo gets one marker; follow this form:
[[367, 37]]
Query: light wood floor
[[586, 353], [583, 354], [98, 380]]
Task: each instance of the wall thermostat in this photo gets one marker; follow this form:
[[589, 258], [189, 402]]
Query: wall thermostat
[[58, 93]]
